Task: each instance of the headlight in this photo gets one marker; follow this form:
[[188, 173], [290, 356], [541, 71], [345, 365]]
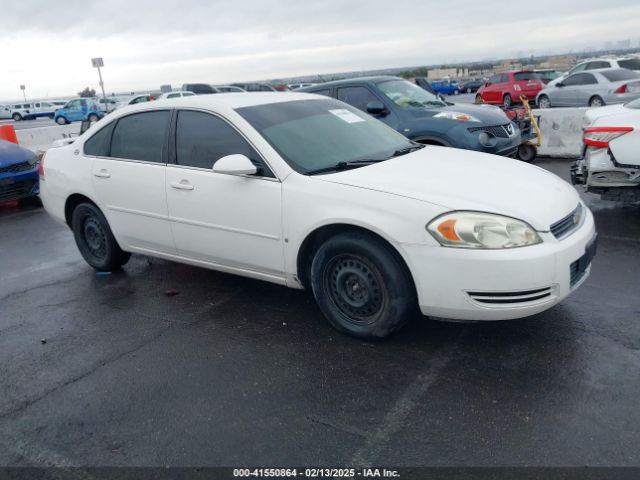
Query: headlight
[[482, 230], [461, 117]]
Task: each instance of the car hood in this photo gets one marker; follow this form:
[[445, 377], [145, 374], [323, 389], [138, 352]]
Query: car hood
[[464, 180], [11, 154], [487, 114]]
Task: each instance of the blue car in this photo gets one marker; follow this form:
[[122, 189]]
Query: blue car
[[18, 172], [446, 87], [78, 110], [425, 118]]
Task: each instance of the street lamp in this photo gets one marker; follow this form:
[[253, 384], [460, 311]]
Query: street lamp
[[97, 63], [24, 94]]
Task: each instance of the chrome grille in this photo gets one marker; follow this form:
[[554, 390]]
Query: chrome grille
[[510, 298], [502, 131], [568, 224], [17, 167]]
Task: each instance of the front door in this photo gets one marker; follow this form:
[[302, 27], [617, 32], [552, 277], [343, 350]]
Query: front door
[[228, 220], [129, 179]]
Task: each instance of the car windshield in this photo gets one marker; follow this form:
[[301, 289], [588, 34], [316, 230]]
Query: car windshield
[[407, 95], [312, 135], [621, 74]]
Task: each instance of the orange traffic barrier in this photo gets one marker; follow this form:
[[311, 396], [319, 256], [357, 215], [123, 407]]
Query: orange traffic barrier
[[8, 133]]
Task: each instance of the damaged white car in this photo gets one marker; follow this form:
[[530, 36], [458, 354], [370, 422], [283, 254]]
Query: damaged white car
[[610, 166]]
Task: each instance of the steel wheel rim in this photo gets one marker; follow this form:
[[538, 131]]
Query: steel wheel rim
[[95, 238], [355, 288]]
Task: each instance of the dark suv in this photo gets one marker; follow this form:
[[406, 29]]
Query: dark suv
[[425, 118]]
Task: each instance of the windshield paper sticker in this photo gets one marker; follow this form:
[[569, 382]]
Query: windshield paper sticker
[[346, 115]]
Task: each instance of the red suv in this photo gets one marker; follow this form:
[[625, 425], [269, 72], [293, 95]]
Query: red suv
[[505, 88]]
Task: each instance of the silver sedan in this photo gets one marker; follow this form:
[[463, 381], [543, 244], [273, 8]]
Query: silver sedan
[[593, 88]]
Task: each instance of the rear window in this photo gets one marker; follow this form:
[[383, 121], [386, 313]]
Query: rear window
[[618, 75], [141, 136], [524, 76], [631, 64], [98, 144]]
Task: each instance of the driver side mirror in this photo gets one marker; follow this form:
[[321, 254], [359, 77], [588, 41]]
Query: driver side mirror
[[236, 164], [376, 108]]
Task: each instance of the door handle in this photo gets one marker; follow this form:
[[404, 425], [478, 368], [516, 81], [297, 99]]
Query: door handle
[[182, 185], [102, 174]]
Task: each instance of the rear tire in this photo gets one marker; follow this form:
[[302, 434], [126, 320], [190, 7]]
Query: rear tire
[[596, 101], [61, 121], [507, 101], [93, 118], [362, 287], [16, 117], [95, 240]]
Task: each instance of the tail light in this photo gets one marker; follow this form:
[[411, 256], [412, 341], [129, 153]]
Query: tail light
[[41, 167], [601, 136], [621, 89]]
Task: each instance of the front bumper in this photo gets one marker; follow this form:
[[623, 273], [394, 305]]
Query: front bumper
[[19, 185], [465, 284]]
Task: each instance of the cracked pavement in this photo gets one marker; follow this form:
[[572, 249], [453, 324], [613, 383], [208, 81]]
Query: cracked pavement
[[233, 371]]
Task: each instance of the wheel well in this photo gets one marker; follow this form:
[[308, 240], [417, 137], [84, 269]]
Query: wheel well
[[316, 238], [431, 141], [72, 202]]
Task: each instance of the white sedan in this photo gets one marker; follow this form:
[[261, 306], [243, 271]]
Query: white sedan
[[611, 165], [308, 192]]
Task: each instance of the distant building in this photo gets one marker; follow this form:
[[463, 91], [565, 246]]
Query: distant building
[[437, 73]]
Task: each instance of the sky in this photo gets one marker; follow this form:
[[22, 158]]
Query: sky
[[146, 44]]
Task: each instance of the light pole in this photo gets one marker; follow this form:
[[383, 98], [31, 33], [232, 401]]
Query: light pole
[[97, 63], [24, 93]]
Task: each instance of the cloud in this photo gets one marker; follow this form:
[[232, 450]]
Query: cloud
[[146, 44]]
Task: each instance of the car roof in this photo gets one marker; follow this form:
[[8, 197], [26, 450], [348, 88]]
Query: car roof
[[218, 101], [371, 79]]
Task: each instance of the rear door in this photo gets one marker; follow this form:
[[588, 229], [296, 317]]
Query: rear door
[[129, 179], [586, 87]]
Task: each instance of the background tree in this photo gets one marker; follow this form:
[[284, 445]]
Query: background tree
[[87, 92]]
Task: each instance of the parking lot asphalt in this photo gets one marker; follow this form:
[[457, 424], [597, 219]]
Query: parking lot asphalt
[[111, 370]]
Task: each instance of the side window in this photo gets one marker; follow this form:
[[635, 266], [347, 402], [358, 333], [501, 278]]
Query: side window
[[202, 139], [98, 145], [141, 136], [580, 79], [598, 64], [504, 78], [326, 92], [357, 97], [173, 95]]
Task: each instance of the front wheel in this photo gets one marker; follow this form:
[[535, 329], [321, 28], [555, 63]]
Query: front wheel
[[362, 287], [95, 240], [93, 118], [544, 102], [478, 99]]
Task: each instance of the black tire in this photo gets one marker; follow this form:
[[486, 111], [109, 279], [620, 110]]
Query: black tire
[[478, 99], [544, 102], [16, 117], [93, 117], [527, 152], [507, 101], [596, 101], [95, 240], [362, 287], [61, 121]]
